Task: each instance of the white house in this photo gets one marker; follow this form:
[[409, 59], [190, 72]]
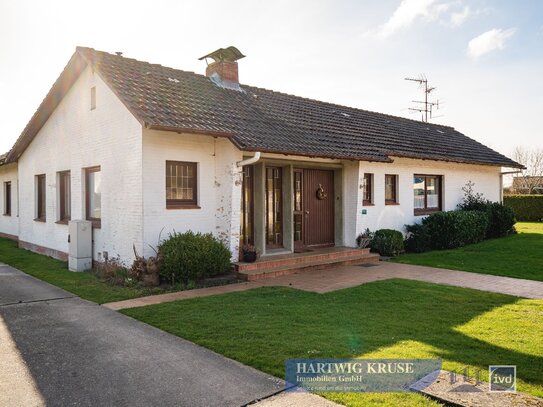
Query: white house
[[142, 150]]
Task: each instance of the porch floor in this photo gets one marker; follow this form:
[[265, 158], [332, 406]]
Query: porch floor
[[283, 264]]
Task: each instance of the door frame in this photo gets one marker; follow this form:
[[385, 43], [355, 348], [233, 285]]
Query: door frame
[[306, 216], [288, 166]]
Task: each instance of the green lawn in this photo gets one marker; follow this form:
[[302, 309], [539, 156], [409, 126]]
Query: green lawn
[[86, 285], [519, 255], [393, 318]]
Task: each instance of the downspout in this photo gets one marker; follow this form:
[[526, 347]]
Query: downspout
[[249, 161]]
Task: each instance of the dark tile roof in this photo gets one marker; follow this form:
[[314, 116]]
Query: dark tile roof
[[257, 119]]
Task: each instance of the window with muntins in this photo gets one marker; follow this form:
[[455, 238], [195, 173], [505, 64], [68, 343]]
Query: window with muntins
[[427, 191], [181, 185]]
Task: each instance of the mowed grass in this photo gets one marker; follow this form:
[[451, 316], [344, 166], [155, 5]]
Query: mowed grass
[[519, 255], [389, 319], [86, 285]]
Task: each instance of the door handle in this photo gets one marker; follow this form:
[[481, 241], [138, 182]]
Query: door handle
[[307, 212]]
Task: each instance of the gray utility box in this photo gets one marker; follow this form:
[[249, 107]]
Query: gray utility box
[[80, 238]]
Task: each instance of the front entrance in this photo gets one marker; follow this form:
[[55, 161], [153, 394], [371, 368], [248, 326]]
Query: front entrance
[[285, 208], [313, 220]]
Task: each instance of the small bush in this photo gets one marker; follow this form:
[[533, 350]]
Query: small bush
[[418, 239], [387, 242], [192, 256], [114, 272], [527, 208], [447, 230], [501, 220]]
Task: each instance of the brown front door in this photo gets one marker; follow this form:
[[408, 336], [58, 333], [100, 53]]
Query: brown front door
[[317, 207]]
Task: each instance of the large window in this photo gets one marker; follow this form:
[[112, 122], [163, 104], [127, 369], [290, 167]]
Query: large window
[[93, 194], [391, 190], [427, 193], [181, 185], [7, 198], [64, 197], [40, 198], [367, 189]]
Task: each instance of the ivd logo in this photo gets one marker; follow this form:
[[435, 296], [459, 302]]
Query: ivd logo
[[502, 378]]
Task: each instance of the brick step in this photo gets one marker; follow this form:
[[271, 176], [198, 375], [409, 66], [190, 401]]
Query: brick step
[[302, 258], [251, 275]]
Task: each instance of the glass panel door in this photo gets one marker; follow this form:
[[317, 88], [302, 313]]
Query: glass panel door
[[274, 207]]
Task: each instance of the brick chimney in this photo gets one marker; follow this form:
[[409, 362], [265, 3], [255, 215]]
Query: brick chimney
[[224, 64]]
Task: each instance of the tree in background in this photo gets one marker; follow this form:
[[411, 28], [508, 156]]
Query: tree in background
[[529, 180]]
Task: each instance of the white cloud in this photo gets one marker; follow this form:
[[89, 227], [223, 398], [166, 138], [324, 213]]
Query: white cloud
[[458, 17], [406, 14], [489, 41]]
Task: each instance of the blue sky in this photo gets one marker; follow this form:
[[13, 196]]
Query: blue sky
[[484, 57]]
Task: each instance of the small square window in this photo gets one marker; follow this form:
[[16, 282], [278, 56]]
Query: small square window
[[181, 185], [93, 98]]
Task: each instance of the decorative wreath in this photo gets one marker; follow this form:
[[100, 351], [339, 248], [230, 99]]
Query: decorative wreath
[[320, 193]]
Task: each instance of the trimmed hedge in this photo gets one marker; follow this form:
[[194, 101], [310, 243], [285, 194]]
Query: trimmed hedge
[[387, 242], [526, 207], [191, 256], [447, 230]]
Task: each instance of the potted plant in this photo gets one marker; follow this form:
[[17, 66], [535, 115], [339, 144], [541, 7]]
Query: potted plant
[[249, 253], [363, 240]]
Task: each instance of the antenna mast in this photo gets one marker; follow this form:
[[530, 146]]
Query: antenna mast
[[426, 107]]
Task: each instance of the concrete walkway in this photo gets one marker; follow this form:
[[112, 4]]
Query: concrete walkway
[[60, 350], [326, 280]]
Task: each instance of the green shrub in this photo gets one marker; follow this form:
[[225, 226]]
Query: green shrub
[[387, 242], [501, 220], [192, 256], [447, 230], [418, 239], [528, 208]]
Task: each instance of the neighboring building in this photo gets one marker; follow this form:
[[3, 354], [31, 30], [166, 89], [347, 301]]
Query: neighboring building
[[143, 150], [527, 185]]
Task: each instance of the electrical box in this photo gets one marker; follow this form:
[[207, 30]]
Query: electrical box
[[80, 242]]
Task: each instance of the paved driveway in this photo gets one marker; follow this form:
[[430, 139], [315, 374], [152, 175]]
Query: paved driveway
[[80, 354]]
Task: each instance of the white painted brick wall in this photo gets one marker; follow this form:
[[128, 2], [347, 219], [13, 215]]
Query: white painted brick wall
[[218, 192], [455, 176], [72, 139], [9, 224]]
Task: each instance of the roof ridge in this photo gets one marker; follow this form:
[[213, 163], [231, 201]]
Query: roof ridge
[[332, 104]]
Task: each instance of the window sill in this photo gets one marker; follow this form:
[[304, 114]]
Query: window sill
[[422, 212], [183, 207], [96, 223], [366, 203], [39, 220], [7, 214], [62, 222], [392, 203]]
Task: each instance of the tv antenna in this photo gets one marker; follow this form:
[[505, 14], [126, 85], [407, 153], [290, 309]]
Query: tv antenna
[[425, 107]]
